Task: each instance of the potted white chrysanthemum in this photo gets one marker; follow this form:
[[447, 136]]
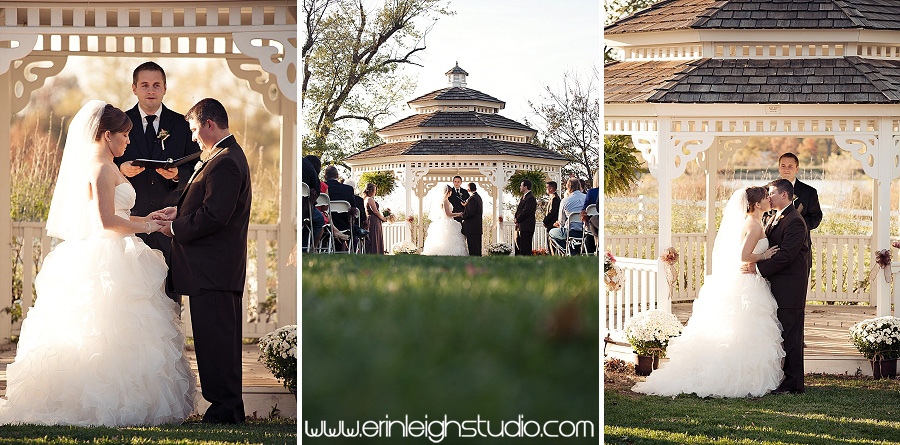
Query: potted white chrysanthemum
[[499, 249], [878, 339], [278, 352], [405, 247], [649, 333]]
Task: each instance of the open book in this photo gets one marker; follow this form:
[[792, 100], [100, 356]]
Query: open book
[[168, 163]]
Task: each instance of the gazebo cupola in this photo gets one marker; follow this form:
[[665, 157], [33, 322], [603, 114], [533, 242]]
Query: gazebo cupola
[[457, 76]]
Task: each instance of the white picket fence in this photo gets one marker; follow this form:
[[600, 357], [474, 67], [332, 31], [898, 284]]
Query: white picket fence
[[638, 294], [399, 231], [262, 277]]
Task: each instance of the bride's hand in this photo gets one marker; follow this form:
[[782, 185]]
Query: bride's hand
[[155, 226], [770, 252]]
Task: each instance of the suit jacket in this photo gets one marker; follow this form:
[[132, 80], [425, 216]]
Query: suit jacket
[[153, 191], [342, 192], [456, 199], [552, 214], [525, 217], [807, 203], [359, 203], [209, 249], [788, 269], [471, 217]]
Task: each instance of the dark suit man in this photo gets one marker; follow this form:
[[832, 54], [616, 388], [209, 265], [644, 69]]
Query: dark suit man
[[157, 188], [553, 213], [788, 273], [457, 196], [471, 221], [340, 192], [209, 257], [525, 219]]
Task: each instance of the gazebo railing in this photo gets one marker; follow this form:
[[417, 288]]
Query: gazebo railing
[[262, 278], [839, 263], [399, 231], [637, 295]]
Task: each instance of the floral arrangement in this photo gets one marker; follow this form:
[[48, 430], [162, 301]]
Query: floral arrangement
[[613, 275], [278, 352], [500, 219], [882, 261], [669, 256], [877, 338], [540, 252], [497, 249], [388, 215], [405, 247], [162, 135], [649, 332]]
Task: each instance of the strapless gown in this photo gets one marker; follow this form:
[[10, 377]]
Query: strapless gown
[[103, 344], [731, 346], [445, 238]]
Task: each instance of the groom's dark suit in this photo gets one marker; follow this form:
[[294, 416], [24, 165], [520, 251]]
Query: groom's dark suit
[[471, 224], [788, 273], [209, 264], [153, 192]]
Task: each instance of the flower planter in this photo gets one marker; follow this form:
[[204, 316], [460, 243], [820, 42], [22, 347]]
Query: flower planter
[[884, 369], [646, 364]]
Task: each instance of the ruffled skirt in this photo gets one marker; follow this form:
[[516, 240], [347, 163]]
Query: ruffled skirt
[[445, 237], [103, 344], [731, 346]]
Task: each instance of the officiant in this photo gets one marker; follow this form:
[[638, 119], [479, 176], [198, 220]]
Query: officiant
[[157, 133]]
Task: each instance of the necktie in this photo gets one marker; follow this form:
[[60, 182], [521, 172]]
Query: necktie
[[150, 132]]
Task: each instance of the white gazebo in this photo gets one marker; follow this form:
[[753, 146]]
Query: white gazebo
[[458, 131], [257, 38], [700, 78]]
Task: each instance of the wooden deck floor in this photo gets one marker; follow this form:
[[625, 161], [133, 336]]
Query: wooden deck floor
[[261, 390]]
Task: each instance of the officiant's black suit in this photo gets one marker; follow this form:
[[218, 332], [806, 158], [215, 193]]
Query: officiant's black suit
[[153, 191], [807, 203], [471, 224], [788, 273], [525, 222], [456, 199], [209, 264]]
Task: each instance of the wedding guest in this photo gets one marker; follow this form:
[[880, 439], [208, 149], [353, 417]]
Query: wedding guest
[[525, 219], [318, 216], [311, 179], [552, 213], [592, 223], [375, 241], [157, 133], [572, 203], [339, 192]]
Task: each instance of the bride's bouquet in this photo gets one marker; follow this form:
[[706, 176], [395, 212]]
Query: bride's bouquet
[[405, 247], [877, 338], [649, 332], [499, 249], [278, 352]]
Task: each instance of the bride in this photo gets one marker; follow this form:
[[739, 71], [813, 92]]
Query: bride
[[103, 343], [444, 235], [731, 346]]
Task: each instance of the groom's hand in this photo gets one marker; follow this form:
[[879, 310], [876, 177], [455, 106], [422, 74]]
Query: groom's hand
[[166, 214], [166, 228], [748, 268]]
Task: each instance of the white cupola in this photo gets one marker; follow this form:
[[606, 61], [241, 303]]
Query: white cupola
[[457, 76]]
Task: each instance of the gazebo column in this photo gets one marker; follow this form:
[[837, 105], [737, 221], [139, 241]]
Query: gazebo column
[[6, 95], [881, 227], [712, 169], [287, 224], [665, 178]]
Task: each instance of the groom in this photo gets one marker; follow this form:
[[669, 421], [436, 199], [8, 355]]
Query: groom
[[209, 257], [471, 221], [788, 273]]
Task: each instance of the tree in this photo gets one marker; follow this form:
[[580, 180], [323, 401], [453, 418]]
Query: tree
[[352, 61], [621, 166], [619, 9], [571, 123]]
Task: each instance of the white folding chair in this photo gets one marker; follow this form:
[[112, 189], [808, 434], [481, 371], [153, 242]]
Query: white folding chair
[[592, 211], [340, 207], [307, 220], [328, 240], [573, 242]]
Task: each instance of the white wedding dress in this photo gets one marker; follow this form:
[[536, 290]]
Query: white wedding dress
[[731, 346], [444, 236], [103, 344]]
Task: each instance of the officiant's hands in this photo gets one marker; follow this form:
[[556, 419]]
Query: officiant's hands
[[130, 170], [168, 173]]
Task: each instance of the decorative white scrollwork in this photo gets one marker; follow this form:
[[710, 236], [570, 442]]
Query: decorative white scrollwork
[[15, 47], [29, 74], [280, 62], [863, 148], [648, 145], [258, 80]]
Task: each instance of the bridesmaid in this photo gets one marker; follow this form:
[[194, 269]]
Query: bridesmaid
[[375, 241]]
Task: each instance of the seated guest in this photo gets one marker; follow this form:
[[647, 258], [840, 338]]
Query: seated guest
[[593, 222], [311, 165], [339, 192], [572, 203]]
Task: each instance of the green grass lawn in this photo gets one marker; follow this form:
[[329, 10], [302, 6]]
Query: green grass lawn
[[269, 431], [411, 335], [833, 410]]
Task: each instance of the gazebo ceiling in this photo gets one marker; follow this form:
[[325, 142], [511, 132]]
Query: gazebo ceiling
[[457, 119], [847, 80], [473, 147], [673, 15]]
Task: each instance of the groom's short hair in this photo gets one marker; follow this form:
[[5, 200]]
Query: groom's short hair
[[208, 109], [783, 186], [472, 187], [147, 66]]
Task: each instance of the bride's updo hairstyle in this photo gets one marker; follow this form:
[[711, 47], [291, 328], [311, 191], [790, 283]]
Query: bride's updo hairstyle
[[448, 189], [113, 120], [754, 196]]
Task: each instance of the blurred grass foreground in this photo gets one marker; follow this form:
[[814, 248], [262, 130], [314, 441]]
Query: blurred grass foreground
[[412, 335]]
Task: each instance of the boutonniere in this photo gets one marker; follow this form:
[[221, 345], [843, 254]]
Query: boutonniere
[[775, 223], [162, 135], [198, 165]]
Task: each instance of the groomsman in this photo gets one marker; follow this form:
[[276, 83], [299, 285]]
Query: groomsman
[[525, 219], [457, 196], [805, 198], [157, 133]]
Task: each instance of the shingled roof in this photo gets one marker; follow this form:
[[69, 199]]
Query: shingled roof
[[457, 119], [457, 93], [795, 81], [489, 147], [670, 15]]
